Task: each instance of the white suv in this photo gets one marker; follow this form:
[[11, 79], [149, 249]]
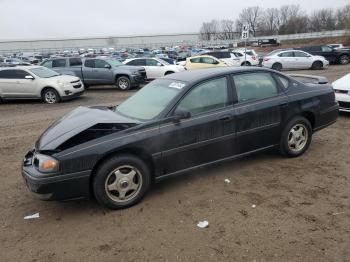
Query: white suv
[[251, 57], [154, 67], [29, 82]]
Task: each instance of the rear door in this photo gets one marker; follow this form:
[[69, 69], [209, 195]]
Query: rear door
[[260, 110], [13, 84], [208, 135], [287, 60]]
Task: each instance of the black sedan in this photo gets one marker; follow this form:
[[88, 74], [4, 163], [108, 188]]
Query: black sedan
[[174, 125]]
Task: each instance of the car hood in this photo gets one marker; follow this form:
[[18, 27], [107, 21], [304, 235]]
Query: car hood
[[131, 68], [64, 78], [342, 83], [102, 120]]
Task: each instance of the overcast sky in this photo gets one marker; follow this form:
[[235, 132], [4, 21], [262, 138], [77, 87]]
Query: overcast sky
[[41, 19]]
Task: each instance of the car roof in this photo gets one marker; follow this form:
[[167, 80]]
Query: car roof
[[194, 76], [19, 67]]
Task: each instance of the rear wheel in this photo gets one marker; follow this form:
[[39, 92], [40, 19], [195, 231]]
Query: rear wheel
[[169, 72], [121, 182], [296, 137], [51, 96], [344, 60], [317, 65], [246, 63], [123, 83], [277, 66]]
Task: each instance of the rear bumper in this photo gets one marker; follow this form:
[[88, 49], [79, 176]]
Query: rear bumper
[[59, 186]]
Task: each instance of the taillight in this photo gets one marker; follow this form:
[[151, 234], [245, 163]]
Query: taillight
[[266, 59]]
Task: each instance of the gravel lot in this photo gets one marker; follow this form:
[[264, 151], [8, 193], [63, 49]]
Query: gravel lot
[[302, 210]]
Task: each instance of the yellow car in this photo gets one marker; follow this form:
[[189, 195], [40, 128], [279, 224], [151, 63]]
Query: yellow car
[[203, 61]]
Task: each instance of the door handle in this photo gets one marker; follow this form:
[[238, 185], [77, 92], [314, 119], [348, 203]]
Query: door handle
[[226, 118]]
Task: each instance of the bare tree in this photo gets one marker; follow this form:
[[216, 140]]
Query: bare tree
[[323, 19], [343, 17], [270, 21], [251, 17], [227, 29], [210, 30]]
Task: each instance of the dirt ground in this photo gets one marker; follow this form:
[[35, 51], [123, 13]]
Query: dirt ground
[[301, 213]]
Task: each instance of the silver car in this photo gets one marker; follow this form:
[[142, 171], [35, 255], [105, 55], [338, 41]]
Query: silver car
[[29, 82]]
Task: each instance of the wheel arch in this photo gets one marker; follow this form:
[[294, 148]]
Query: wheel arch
[[310, 116], [133, 151], [120, 75], [48, 87]]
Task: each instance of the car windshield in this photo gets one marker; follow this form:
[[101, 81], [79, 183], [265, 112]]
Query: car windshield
[[151, 100], [43, 72], [114, 62]]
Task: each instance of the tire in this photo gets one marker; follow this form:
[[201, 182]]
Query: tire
[[290, 139], [246, 63], [50, 96], [168, 73], [344, 60], [277, 66], [121, 181], [317, 65], [123, 83]]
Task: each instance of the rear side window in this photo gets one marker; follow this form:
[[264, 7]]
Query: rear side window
[[195, 60], [207, 60], [89, 63], [210, 95], [286, 54], [300, 54], [137, 62], [254, 86], [13, 74], [75, 62], [59, 63]]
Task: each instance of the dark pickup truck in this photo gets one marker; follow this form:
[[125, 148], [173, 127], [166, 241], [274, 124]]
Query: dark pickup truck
[[98, 71], [335, 56]]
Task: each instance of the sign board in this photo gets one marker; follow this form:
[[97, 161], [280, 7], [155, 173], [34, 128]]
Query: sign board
[[245, 32], [245, 35]]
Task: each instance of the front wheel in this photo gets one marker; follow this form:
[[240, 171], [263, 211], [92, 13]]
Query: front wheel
[[50, 96], [123, 83], [296, 137], [121, 182]]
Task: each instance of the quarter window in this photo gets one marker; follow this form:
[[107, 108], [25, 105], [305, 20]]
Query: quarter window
[[210, 95], [254, 86], [284, 81]]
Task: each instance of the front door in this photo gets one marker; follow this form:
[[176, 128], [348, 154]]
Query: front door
[[260, 109], [208, 135]]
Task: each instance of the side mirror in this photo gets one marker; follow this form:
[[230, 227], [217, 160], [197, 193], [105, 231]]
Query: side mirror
[[108, 66], [181, 113], [29, 77]]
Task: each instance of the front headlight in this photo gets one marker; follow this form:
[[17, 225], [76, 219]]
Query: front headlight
[[63, 84], [136, 73], [45, 164]]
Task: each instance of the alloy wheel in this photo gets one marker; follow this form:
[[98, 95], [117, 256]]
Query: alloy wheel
[[123, 184], [298, 137]]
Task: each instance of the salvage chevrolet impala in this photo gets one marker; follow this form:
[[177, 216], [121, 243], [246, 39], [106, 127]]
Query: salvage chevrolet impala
[[174, 125]]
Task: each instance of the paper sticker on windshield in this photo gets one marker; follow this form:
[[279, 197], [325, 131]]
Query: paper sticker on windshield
[[177, 85]]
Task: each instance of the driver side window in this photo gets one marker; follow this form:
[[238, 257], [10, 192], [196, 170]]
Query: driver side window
[[210, 95], [100, 63]]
